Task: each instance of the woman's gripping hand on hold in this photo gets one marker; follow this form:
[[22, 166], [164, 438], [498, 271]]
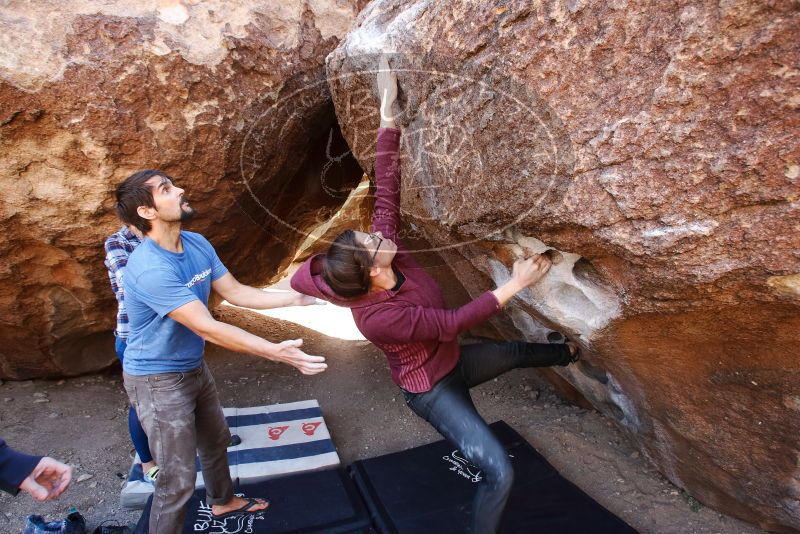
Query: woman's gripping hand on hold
[[387, 92], [525, 273]]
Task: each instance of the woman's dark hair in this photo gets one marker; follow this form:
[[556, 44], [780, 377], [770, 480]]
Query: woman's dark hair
[[134, 192], [346, 265]]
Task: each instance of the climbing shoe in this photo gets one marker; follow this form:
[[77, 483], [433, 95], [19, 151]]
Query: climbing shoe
[[573, 357]]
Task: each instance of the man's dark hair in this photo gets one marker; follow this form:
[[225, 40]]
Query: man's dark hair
[[346, 265], [134, 192]]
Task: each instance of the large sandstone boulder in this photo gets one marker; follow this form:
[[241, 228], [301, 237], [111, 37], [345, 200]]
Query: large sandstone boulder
[[229, 98], [654, 145]]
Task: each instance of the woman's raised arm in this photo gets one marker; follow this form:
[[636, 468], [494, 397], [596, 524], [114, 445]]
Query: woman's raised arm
[[386, 214]]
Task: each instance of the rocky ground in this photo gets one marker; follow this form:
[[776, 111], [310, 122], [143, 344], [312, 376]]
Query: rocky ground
[[83, 421]]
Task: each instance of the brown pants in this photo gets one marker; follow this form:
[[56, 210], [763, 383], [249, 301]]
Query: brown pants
[[181, 415]]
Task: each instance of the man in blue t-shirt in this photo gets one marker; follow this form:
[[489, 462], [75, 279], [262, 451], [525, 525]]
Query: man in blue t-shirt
[[167, 283]]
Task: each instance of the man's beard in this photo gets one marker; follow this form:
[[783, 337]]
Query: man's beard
[[187, 212]]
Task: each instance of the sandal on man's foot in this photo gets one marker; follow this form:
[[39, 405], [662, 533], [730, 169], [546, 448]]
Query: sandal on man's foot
[[245, 509]]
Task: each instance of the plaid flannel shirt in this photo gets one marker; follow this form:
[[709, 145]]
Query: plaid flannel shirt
[[118, 247]]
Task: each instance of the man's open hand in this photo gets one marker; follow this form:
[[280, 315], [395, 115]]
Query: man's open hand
[[289, 352], [307, 300], [48, 480]]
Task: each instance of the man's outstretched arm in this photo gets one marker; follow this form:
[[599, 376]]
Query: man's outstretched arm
[[239, 294], [196, 317]]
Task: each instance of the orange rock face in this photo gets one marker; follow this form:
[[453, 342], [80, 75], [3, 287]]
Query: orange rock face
[[655, 146], [228, 98]]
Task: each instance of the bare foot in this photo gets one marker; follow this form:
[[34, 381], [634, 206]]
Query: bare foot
[[237, 503]]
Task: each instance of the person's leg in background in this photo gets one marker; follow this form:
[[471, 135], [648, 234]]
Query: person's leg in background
[[138, 436], [449, 409]]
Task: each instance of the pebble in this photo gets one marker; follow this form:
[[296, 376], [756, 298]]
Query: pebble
[[8, 399], [634, 454], [84, 477], [53, 415], [93, 485], [40, 394], [40, 401], [61, 382]]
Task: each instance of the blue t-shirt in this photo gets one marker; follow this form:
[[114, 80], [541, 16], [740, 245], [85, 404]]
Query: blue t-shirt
[[156, 282]]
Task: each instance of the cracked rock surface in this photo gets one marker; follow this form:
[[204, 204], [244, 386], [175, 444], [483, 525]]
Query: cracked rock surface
[[229, 98], [654, 145]]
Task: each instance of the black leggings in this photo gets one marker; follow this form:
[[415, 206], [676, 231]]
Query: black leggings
[[449, 409]]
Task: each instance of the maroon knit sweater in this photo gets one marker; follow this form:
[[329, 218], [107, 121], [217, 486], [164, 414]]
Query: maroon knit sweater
[[411, 325]]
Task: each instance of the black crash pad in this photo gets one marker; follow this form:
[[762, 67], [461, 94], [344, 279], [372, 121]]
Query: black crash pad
[[429, 489], [308, 503]]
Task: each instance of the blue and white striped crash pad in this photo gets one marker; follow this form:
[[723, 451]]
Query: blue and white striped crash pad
[[276, 440]]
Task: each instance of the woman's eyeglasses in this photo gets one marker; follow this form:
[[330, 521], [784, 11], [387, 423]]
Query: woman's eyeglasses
[[372, 237]]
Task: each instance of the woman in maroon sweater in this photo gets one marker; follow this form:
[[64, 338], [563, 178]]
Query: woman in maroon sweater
[[401, 309]]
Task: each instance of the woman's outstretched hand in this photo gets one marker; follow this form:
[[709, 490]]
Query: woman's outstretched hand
[[387, 90]]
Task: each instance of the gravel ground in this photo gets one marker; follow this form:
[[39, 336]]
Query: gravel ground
[[83, 421]]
